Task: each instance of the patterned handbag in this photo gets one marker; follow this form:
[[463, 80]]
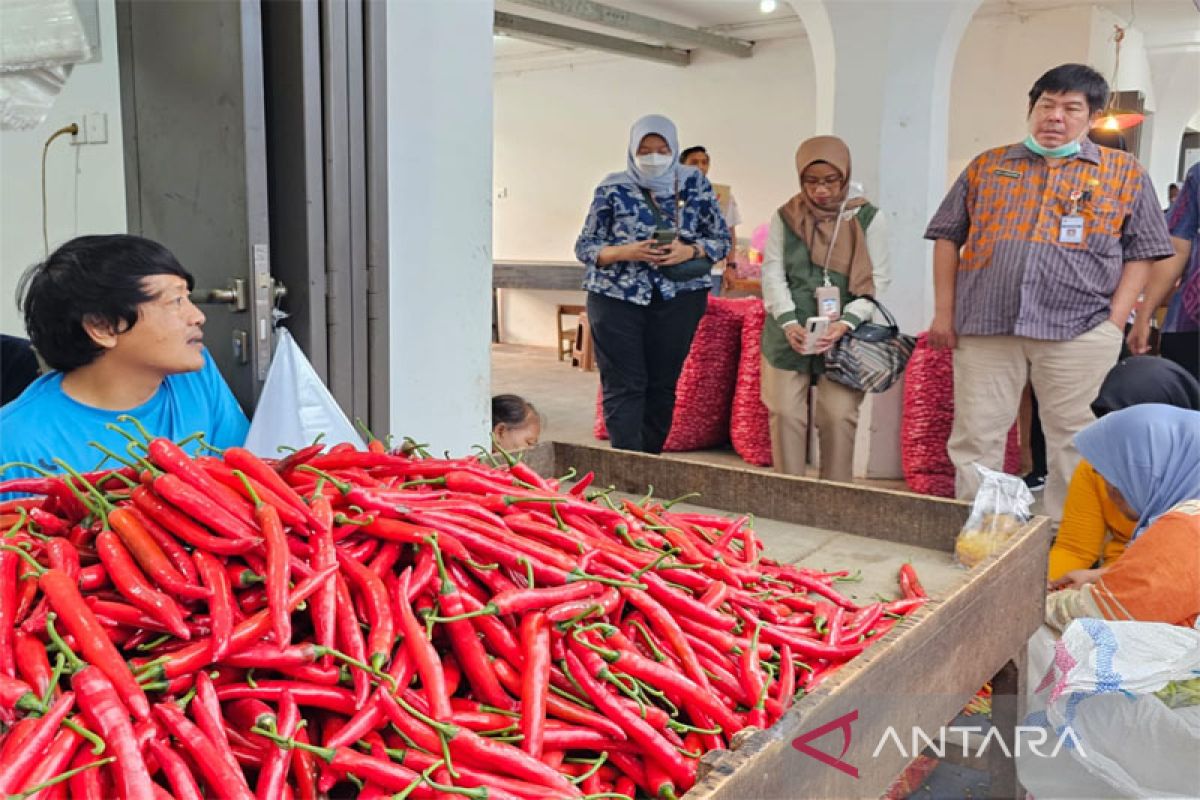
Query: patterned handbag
[[871, 357]]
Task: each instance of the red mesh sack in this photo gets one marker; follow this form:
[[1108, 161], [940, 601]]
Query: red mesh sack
[[927, 419], [748, 430], [705, 389]]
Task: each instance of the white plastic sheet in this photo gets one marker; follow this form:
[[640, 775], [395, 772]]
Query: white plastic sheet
[[1097, 697], [39, 42], [295, 407]]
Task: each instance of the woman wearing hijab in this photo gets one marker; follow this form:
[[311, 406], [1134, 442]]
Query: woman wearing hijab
[[809, 251], [651, 237], [1094, 529], [1149, 459]]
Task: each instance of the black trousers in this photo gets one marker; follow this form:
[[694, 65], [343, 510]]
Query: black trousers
[[640, 351], [1183, 349]]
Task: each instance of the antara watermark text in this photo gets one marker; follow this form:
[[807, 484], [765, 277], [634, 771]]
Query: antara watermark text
[[1027, 741]]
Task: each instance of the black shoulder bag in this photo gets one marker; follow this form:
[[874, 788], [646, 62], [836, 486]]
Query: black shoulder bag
[[688, 270], [871, 357]]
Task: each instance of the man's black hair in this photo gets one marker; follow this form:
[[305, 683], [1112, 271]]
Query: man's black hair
[[97, 279], [1073, 78], [683, 157]]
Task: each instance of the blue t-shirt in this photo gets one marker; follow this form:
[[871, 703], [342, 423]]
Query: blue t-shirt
[[44, 423]]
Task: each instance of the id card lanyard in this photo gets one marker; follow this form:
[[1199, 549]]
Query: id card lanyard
[[829, 297], [1070, 229]]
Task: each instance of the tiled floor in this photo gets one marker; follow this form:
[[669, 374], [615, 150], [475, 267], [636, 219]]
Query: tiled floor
[[567, 398]]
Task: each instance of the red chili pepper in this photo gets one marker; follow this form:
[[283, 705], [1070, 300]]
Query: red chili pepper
[[910, 585], [133, 585], [143, 547], [225, 782], [787, 677], [582, 484], [535, 642], [170, 457], [304, 769], [8, 609], [98, 697], [381, 636], [499, 637], [681, 688], [33, 665], [278, 573], [559, 707], [220, 602], [185, 527], [330, 698], [324, 600], [904, 607], [92, 639], [810, 648], [349, 636], [258, 470], [204, 508], [178, 773], [90, 783], [422, 652], [206, 712], [585, 665], [52, 763], [667, 626], [469, 650], [197, 654]]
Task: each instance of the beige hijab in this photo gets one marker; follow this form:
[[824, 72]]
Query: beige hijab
[[815, 226]]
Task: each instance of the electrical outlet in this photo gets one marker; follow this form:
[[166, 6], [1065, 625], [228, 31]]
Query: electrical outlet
[[93, 128], [96, 126]]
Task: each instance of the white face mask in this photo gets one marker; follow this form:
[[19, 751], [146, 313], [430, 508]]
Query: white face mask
[[654, 164]]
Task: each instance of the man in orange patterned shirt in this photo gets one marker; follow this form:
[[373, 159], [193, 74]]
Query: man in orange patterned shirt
[[1040, 251]]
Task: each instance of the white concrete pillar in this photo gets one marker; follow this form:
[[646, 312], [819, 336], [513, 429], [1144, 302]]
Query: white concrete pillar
[[1177, 93], [439, 95], [889, 65]]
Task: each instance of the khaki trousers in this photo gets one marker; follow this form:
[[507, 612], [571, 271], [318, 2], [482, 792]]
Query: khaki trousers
[[990, 373], [785, 394]]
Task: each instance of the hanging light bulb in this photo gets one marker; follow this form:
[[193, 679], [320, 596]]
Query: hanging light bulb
[[767, 6], [1115, 118]]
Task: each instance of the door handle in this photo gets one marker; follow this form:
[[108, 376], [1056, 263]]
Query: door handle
[[234, 295]]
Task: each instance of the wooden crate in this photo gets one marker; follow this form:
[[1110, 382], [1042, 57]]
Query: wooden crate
[[920, 675]]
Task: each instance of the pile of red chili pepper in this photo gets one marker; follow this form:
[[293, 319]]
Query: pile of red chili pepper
[[360, 622]]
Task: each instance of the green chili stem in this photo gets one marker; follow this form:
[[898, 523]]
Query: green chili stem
[[60, 778], [137, 424]]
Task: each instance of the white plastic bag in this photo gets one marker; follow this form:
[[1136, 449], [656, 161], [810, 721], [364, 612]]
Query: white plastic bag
[[1097, 698], [295, 407], [1001, 507]]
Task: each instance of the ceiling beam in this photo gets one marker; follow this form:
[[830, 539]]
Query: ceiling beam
[[547, 32], [649, 27]]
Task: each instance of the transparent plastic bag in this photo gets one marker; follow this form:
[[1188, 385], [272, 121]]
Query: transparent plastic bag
[[1001, 507]]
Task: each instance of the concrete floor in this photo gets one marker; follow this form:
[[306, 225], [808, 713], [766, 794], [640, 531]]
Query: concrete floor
[[566, 396]]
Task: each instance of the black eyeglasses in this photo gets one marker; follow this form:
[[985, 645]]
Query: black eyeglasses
[[831, 182]]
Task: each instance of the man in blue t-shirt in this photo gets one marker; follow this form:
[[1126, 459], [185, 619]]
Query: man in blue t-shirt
[[112, 317]]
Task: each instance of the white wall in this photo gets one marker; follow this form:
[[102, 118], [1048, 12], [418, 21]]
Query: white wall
[[85, 184], [560, 130], [439, 171], [1177, 91], [1002, 55], [999, 59]]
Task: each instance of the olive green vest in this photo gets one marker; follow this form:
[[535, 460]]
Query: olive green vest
[[803, 279]]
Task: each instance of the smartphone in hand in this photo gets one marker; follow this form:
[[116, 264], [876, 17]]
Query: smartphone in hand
[[663, 239], [816, 328]]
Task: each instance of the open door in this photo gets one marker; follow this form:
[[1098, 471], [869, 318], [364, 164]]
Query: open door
[[196, 166]]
